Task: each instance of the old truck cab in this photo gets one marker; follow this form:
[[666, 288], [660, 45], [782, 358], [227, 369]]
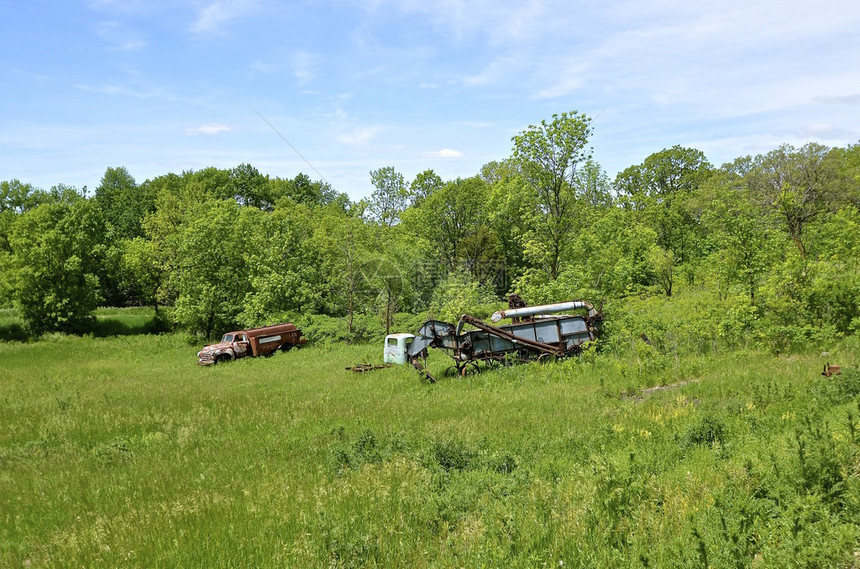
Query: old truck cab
[[253, 342], [396, 346]]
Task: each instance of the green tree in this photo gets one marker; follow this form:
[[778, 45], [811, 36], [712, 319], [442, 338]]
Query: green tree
[[548, 155], [447, 217], [592, 186], [143, 273], [424, 184], [57, 250], [742, 241], [389, 198], [15, 199], [209, 270], [251, 188], [799, 185], [282, 263], [662, 263], [303, 190], [123, 203], [663, 188], [665, 174], [345, 245]]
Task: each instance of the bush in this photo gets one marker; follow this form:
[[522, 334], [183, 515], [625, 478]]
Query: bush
[[708, 430]]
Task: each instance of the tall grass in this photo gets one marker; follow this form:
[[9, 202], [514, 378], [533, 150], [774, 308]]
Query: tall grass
[[120, 451]]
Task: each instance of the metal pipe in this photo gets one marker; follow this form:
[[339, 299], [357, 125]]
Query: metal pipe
[[543, 309]]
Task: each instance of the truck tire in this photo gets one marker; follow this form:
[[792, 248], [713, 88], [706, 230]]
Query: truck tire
[[222, 358]]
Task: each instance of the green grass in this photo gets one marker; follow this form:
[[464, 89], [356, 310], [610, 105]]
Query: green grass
[[120, 451], [108, 322]]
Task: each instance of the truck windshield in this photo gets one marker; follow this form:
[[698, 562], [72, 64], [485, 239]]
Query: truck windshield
[[227, 338]]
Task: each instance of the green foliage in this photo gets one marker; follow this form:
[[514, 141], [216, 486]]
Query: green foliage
[[743, 246], [462, 294], [210, 270], [548, 155], [57, 248], [236, 247], [708, 430], [123, 202], [281, 262], [389, 197], [798, 185], [449, 223]]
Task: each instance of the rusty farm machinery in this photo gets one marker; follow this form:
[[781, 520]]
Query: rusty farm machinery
[[534, 333]]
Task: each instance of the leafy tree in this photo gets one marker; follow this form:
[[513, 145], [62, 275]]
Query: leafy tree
[[143, 274], [345, 245], [662, 188], [798, 185], [513, 214], [447, 217], [383, 275], [15, 198], [461, 293], [833, 283], [251, 188], [57, 250], [389, 198], [303, 190], [213, 183], [549, 154], [282, 263], [496, 172], [123, 203], [744, 246], [424, 184], [611, 259], [662, 264], [592, 186], [209, 269], [665, 174]]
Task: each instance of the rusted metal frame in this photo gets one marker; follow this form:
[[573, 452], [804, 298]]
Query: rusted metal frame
[[540, 346], [422, 368], [361, 368]]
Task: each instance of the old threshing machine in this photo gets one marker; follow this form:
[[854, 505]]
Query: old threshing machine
[[535, 332]]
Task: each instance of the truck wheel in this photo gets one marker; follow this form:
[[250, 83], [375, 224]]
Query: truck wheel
[[222, 358], [286, 347]]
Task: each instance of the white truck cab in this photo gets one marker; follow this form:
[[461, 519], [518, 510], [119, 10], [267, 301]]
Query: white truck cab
[[395, 348]]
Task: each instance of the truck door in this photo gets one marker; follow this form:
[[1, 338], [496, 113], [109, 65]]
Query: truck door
[[240, 345]]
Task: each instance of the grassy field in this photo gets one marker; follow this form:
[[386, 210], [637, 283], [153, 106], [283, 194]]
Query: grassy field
[[120, 451]]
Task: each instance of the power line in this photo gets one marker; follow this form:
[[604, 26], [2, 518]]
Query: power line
[[291, 146]]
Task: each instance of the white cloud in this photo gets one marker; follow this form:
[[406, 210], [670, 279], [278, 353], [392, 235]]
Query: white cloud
[[207, 129], [837, 99], [212, 17], [120, 38], [500, 69], [359, 136], [303, 67], [444, 153], [138, 92]]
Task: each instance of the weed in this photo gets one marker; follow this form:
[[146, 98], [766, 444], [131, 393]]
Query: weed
[[708, 430]]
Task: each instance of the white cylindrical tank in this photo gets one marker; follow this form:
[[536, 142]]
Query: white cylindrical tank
[[542, 309], [395, 348]]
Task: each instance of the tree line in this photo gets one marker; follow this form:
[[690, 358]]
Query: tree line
[[779, 232]]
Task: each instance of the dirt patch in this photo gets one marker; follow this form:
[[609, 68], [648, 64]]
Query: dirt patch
[[649, 390]]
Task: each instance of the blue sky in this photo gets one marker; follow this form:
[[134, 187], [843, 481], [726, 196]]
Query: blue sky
[[165, 86]]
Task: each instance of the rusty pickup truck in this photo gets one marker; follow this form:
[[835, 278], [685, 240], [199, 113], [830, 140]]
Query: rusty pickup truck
[[254, 342]]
